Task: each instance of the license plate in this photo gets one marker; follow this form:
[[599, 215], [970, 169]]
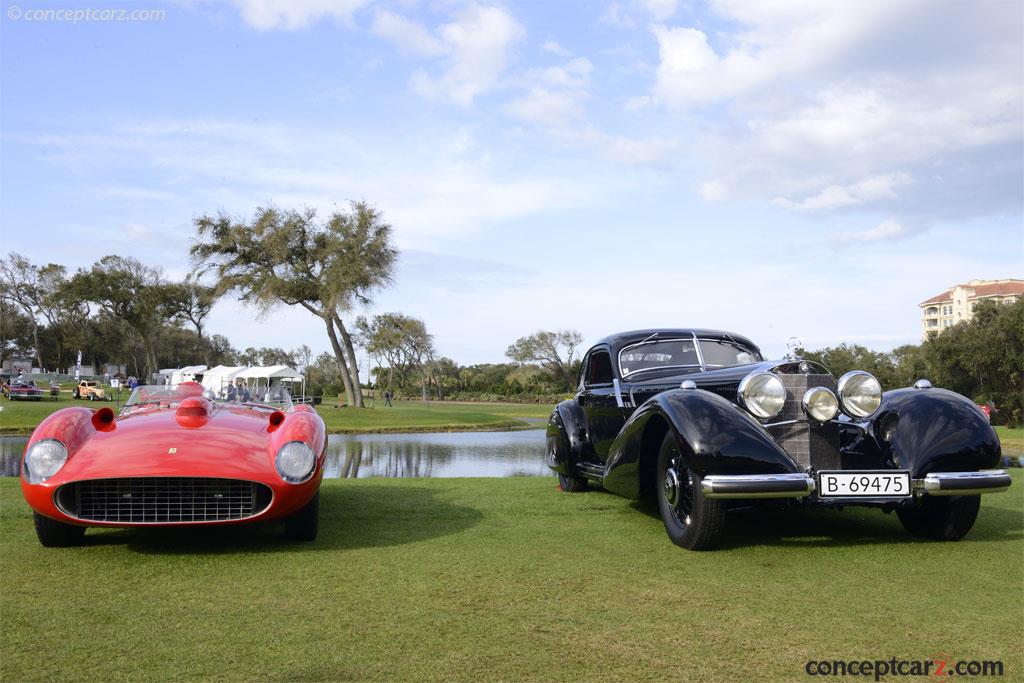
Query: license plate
[[864, 484]]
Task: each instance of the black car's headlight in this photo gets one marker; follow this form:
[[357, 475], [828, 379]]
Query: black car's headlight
[[820, 404], [763, 394], [295, 462], [860, 393], [44, 459]]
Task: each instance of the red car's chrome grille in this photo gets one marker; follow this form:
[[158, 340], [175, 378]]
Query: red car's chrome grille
[[162, 500]]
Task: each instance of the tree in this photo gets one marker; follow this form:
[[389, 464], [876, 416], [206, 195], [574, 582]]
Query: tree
[[982, 358], [402, 342], [555, 351], [132, 292], [191, 301], [287, 257], [20, 286], [16, 331]]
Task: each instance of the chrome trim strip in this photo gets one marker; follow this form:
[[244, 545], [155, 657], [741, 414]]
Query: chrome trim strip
[[700, 354], [618, 392], [964, 483], [796, 485]]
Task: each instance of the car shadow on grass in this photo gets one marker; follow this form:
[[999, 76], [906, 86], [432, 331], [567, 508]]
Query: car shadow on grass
[[776, 525], [350, 518]]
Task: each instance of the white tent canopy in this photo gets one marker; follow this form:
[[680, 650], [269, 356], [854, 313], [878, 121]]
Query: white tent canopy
[[220, 376], [270, 372], [186, 374]]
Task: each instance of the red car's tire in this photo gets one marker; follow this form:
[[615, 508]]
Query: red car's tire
[[304, 524], [942, 518], [54, 534]]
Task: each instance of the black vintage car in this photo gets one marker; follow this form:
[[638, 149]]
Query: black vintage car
[[700, 420]]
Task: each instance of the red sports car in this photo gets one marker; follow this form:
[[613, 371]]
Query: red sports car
[[176, 456]]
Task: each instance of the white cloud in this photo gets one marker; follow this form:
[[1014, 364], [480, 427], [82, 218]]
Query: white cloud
[[615, 15], [837, 196], [852, 106], [554, 95], [477, 43], [406, 35], [660, 10], [554, 48], [266, 15], [886, 231]]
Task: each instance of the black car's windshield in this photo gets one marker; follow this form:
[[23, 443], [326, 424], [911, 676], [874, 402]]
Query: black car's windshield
[[658, 355], [722, 354], [681, 354]]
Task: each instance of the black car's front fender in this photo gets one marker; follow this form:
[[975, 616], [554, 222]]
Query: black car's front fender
[[932, 430], [714, 435]]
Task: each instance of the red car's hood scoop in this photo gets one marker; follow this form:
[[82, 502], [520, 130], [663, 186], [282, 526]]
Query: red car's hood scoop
[[198, 438]]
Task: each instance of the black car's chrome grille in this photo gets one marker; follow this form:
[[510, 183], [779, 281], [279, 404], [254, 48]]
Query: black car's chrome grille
[[163, 500], [809, 444]]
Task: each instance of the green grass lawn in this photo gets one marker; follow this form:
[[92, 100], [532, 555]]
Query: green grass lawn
[[1012, 440], [21, 417], [505, 579]]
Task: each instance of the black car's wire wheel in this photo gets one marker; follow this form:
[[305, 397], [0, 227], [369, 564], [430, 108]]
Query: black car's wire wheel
[[691, 520]]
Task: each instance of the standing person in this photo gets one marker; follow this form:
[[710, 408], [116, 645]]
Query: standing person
[[387, 398]]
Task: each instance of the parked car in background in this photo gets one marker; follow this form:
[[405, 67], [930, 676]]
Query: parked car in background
[[698, 419], [175, 457], [24, 390], [90, 390]]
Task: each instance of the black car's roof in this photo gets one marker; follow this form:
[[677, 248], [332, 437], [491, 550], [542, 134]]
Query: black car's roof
[[621, 339]]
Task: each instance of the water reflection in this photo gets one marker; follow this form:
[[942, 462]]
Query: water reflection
[[11, 450], [442, 454], [448, 454]]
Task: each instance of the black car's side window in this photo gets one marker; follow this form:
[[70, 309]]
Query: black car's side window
[[599, 368]]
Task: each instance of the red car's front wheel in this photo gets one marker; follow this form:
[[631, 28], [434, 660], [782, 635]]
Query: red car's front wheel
[[304, 524], [54, 534]]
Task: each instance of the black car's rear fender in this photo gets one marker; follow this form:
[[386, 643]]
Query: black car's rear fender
[[715, 437], [566, 437], [933, 430]]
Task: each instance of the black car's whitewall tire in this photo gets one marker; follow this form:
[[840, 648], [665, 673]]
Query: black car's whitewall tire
[[54, 534], [691, 520], [941, 518]]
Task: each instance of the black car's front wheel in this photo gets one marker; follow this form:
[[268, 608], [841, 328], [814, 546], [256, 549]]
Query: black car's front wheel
[[54, 534], [571, 484], [691, 520], [304, 524], [941, 518]]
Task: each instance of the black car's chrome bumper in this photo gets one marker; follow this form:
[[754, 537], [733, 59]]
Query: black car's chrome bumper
[[801, 485], [963, 483], [757, 485]]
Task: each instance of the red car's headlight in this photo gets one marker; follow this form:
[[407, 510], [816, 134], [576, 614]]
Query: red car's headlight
[[44, 459], [295, 462]]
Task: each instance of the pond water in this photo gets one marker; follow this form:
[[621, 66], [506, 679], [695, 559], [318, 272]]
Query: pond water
[[436, 454]]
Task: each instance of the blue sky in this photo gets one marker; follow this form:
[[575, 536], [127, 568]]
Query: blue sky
[[796, 169]]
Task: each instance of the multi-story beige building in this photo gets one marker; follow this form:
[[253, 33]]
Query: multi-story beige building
[[957, 303]]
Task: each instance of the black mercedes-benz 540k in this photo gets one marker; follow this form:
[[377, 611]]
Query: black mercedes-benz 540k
[[700, 420]]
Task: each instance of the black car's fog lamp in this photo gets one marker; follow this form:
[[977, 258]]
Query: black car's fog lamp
[[820, 404]]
